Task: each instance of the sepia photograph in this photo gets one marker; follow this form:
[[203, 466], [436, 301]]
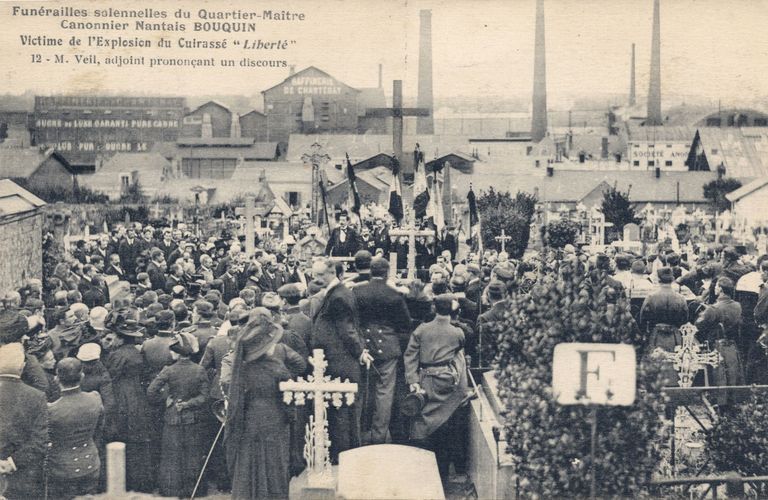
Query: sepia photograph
[[383, 249]]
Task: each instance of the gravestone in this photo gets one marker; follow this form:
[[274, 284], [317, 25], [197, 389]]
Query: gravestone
[[631, 232], [388, 471]]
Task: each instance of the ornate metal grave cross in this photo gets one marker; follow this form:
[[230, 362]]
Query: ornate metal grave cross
[[411, 232], [503, 239], [688, 358], [321, 389]]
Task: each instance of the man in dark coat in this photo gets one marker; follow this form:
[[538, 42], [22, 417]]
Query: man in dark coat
[[381, 236], [74, 421], [720, 325], [384, 323], [486, 349], [663, 306], [23, 428], [343, 241], [129, 250], [13, 327], [156, 270], [335, 330], [114, 268]]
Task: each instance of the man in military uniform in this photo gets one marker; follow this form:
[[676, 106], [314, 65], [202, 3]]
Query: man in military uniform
[[384, 322], [74, 421]]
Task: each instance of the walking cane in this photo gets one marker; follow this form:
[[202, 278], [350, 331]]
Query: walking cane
[[207, 459]]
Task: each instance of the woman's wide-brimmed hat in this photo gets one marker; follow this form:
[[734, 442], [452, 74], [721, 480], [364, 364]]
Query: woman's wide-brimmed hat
[[258, 336]]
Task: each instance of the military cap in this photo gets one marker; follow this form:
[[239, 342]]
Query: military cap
[[496, 289], [665, 275], [13, 326]]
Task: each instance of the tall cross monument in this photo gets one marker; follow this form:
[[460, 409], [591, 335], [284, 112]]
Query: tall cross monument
[[397, 112]]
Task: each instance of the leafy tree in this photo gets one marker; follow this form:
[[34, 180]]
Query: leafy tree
[[617, 209], [739, 440], [561, 232], [133, 194], [550, 443], [715, 192], [500, 210]]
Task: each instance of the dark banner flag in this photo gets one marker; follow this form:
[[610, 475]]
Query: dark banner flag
[[354, 201], [395, 193]]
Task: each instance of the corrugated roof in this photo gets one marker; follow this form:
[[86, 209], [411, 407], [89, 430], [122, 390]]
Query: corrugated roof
[[744, 152], [15, 200], [362, 146]]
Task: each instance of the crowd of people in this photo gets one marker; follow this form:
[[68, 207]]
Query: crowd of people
[[175, 345]]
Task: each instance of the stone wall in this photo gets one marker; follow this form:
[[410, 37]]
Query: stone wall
[[21, 250]]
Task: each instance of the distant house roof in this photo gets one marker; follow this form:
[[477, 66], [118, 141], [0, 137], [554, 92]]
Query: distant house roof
[[636, 132], [369, 98], [743, 152], [378, 178], [243, 148], [747, 189], [15, 200], [361, 146], [281, 172], [215, 141], [448, 157], [215, 103], [300, 73], [16, 162], [573, 186], [252, 112]]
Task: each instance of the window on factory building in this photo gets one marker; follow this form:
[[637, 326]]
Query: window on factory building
[[714, 122], [651, 163], [636, 163], [325, 111], [668, 163], [669, 145], [714, 151], [761, 122]]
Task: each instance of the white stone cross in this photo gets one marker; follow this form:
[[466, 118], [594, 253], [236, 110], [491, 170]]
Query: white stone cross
[[503, 239], [411, 232], [688, 358], [320, 388]]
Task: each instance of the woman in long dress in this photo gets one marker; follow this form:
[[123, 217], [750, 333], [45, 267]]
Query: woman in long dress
[[184, 388], [258, 426]]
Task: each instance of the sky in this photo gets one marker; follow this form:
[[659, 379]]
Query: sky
[[711, 48]]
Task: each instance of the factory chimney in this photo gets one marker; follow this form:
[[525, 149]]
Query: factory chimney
[[632, 96], [653, 115], [539, 118], [425, 124], [381, 76]]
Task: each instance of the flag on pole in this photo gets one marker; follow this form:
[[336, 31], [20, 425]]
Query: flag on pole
[[474, 222], [395, 192], [354, 196], [438, 215], [321, 183], [420, 188]]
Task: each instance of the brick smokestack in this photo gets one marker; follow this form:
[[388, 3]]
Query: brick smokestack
[[632, 96], [425, 124], [381, 76], [653, 115], [539, 118]]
